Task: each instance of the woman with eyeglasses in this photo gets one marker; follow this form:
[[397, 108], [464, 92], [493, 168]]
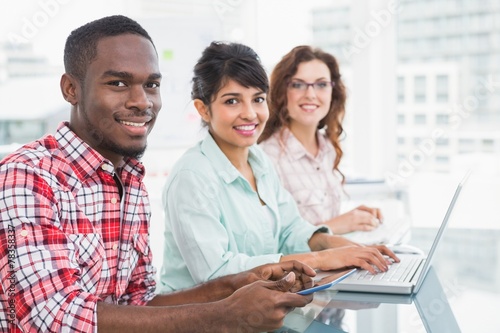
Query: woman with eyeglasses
[[302, 137], [225, 208]]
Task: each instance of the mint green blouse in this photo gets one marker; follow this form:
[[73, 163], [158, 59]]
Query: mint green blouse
[[214, 221]]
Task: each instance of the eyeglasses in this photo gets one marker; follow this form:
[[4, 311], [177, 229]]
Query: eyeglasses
[[317, 86]]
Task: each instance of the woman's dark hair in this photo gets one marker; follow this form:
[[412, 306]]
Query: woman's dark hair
[[221, 62], [277, 97], [81, 45]]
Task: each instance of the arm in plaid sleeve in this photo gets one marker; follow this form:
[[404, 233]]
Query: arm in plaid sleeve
[[142, 284], [44, 269]]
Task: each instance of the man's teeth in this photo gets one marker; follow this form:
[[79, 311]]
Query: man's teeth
[[245, 127], [129, 123]]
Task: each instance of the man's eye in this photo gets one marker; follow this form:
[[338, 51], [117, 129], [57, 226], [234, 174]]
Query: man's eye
[[153, 85], [117, 83]]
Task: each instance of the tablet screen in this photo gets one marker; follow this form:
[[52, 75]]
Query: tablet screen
[[326, 279]]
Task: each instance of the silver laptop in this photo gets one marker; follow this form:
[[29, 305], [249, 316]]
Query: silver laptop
[[404, 277], [307, 320]]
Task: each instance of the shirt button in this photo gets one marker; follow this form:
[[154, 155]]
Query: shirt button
[[317, 168], [113, 200], [24, 233], [115, 247], [107, 167]]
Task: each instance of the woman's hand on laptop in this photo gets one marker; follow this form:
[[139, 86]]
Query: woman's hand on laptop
[[361, 218], [370, 258], [386, 252]]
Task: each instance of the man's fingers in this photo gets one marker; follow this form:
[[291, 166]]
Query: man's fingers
[[276, 271], [285, 283], [298, 267]]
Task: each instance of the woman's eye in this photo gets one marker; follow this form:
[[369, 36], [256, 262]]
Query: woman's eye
[[297, 85], [260, 100], [231, 101]]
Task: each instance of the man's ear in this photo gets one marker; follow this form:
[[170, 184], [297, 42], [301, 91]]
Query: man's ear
[[69, 88], [202, 110]]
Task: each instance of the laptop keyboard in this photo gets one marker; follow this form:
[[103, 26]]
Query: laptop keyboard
[[397, 271]]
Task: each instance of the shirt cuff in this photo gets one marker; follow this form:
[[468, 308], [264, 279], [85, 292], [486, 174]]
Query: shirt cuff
[[323, 229]]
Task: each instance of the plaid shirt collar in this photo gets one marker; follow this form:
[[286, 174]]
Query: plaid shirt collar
[[85, 160], [295, 147]]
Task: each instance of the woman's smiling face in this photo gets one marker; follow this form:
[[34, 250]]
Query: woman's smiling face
[[308, 107], [237, 116]]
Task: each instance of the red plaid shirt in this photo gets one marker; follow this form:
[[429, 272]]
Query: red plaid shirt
[[67, 239]]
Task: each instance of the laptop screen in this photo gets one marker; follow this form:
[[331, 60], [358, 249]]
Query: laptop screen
[[440, 232]]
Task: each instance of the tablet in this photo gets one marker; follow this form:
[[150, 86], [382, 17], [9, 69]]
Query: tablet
[[327, 280]]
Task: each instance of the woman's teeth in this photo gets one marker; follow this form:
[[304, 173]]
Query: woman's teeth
[[245, 127]]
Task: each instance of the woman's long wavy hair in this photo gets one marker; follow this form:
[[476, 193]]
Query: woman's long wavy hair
[[277, 97]]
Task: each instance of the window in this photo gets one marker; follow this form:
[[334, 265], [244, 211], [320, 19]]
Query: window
[[480, 21], [480, 41], [433, 43], [442, 159], [401, 119], [442, 119], [480, 61], [14, 131], [442, 88], [419, 89], [455, 43], [454, 23], [420, 119], [401, 89], [488, 145], [466, 146], [442, 142]]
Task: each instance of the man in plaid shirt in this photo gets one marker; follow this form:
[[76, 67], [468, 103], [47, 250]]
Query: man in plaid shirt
[[75, 213]]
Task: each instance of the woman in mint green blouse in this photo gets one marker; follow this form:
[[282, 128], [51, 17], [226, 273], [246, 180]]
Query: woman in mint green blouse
[[225, 209]]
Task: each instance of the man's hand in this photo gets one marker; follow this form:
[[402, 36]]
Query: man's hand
[[257, 307], [263, 305], [303, 274]]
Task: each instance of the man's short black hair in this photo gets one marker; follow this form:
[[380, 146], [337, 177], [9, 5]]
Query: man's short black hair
[[81, 45]]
